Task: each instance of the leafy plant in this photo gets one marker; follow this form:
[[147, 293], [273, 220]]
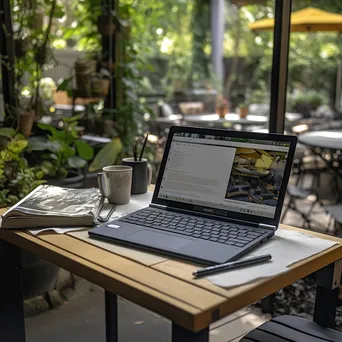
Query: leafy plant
[[16, 178], [61, 150], [107, 155], [305, 102]]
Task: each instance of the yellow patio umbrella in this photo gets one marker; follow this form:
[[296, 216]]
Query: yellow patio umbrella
[[309, 19]]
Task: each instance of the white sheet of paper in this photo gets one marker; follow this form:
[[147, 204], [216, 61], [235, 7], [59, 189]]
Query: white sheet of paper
[[137, 202], [55, 229], [286, 247]]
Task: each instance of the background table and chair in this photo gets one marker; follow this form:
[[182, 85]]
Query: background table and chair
[[317, 175]]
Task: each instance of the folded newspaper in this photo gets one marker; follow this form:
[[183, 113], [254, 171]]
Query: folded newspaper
[[53, 206]]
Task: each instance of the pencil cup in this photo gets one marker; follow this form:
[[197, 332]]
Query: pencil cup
[[142, 174], [115, 183]]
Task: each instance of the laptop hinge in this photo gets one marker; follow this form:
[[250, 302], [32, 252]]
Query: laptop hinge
[[267, 226], [190, 212]]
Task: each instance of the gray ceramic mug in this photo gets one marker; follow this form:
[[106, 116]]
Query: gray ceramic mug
[[115, 183]]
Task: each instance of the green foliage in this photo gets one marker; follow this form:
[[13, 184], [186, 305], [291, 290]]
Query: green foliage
[[107, 155], [313, 56], [60, 150], [31, 40], [200, 27], [305, 101], [16, 178]]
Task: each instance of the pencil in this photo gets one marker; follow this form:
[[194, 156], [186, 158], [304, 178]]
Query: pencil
[[135, 155], [143, 148]]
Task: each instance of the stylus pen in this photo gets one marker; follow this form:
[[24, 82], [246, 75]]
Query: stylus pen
[[231, 265]]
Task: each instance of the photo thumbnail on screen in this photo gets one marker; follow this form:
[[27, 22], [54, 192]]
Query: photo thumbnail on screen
[[256, 176]]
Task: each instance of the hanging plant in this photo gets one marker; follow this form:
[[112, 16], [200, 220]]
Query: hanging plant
[[106, 23], [21, 46]]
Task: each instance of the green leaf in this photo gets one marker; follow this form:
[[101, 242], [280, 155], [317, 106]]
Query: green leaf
[[72, 118], [64, 85], [17, 146], [107, 155], [59, 12], [84, 150], [76, 162], [47, 127], [7, 132], [43, 144], [19, 136]]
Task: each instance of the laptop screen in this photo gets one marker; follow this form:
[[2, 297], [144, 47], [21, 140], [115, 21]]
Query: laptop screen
[[232, 174]]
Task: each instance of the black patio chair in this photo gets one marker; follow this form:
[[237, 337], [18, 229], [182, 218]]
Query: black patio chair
[[291, 328], [335, 212]]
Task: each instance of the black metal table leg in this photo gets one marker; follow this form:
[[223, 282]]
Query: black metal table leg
[[180, 334], [328, 280], [12, 324], [111, 304]]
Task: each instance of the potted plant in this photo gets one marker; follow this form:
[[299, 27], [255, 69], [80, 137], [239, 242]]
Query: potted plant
[[99, 84], [35, 19], [17, 180], [307, 102], [106, 23], [222, 106], [21, 46], [84, 69], [243, 110], [61, 155], [26, 118]]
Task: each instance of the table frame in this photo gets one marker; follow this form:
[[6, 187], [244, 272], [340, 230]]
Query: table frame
[[12, 326]]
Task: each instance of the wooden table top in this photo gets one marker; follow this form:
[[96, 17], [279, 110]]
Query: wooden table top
[[167, 287]]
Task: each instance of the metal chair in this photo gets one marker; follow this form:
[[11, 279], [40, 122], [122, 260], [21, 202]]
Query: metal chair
[[290, 328]]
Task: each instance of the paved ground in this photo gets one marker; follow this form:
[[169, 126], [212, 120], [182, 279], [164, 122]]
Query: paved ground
[[81, 319]]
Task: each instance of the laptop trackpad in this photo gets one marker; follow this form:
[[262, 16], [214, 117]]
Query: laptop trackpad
[[156, 239]]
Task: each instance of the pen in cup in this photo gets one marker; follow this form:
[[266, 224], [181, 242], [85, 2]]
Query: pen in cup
[[231, 265], [143, 148]]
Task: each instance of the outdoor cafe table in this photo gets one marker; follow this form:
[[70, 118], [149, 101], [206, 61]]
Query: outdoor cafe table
[[327, 140], [214, 119], [166, 287], [233, 118], [331, 140]]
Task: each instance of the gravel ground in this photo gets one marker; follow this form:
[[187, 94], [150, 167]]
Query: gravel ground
[[299, 300]]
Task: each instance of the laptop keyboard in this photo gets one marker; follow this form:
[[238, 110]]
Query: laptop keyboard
[[217, 231]]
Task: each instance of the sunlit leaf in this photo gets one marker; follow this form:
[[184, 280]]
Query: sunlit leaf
[[64, 85], [76, 162], [17, 146], [107, 155], [7, 132]]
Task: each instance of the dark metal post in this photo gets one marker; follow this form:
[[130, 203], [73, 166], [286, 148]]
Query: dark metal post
[[109, 55], [280, 65], [7, 62], [111, 304], [180, 334], [328, 280], [12, 324]]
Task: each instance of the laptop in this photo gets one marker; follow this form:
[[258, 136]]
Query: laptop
[[218, 195]]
